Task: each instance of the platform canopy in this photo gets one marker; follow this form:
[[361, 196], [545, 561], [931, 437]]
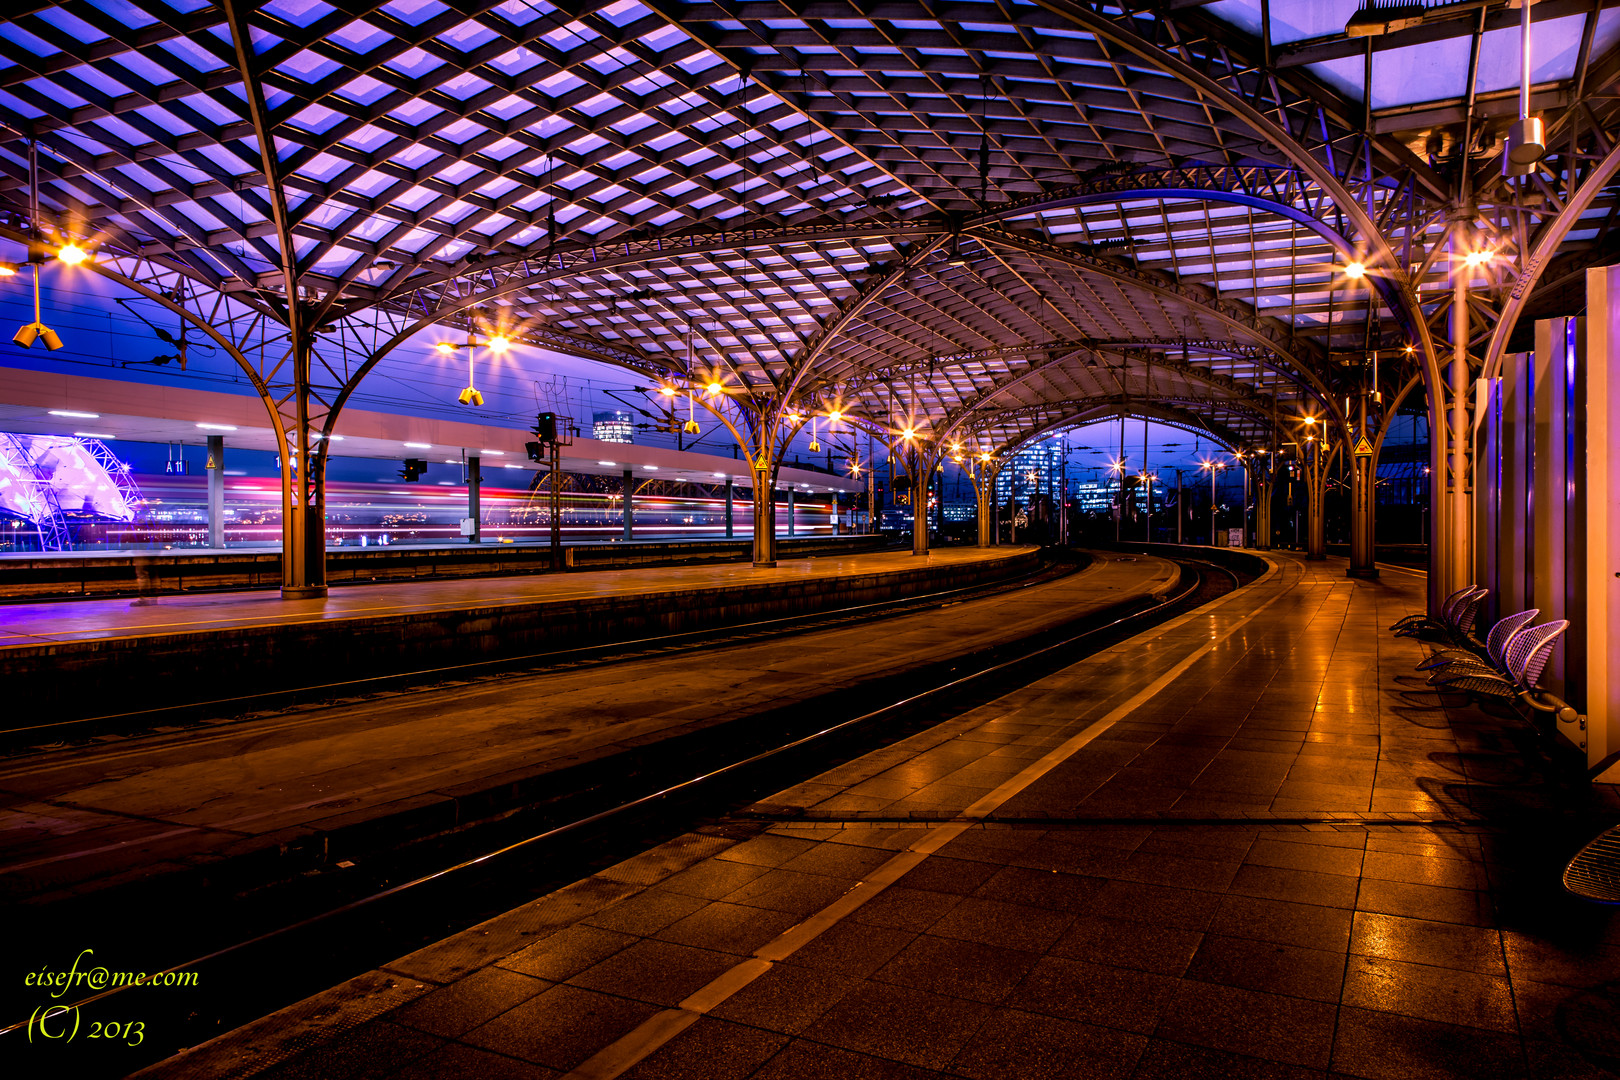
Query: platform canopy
[[978, 219]]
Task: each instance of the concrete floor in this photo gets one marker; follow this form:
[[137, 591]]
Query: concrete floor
[[1241, 844]]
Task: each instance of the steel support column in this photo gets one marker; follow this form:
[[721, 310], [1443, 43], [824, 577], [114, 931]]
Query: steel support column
[[921, 480], [790, 510], [1316, 462], [629, 505], [1264, 494], [731, 489], [303, 490], [475, 510], [764, 515]]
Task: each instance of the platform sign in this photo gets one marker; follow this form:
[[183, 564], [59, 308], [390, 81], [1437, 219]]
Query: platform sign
[[1234, 537], [1363, 447]]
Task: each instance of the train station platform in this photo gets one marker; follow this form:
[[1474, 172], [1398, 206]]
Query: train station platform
[[81, 658], [266, 798], [1245, 843]]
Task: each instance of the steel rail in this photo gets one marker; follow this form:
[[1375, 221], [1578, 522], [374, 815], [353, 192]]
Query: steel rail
[[654, 797]]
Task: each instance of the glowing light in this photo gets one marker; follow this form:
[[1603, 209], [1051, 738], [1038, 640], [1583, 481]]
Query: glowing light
[[76, 415], [72, 254], [498, 343], [1309, 420], [445, 347], [1475, 259], [715, 387], [217, 427], [1355, 270], [609, 464], [650, 468], [8, 269], [667, 391], [92, 435], [834, 416], [493, 453], [419, 445], [909, 433]]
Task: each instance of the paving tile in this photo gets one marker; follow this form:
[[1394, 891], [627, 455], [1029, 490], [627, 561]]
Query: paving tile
[[709, 1050], [1325, 859], [713, 878], [900, 1023], [768, 849], [730, 928], [567, 952], [1121, 943], [1423, 870], [457, 1062], [805, 1060], [942, 874], [1184, 909], [1463, 906], [1291, 1030], [786, 998], [1421, 941], [1269, 966], [786, 890], [658, 972], [852, 948], [905, 909], [1166, 1060], [1094, 993], [1390, 1046], [1034, 1047], [646, 913], [1308, 926], [374, 1050], [1443, 994], [995, 922], [956, 968], [838, 860], [1300, 886], [468, 1002], [561, 1027]]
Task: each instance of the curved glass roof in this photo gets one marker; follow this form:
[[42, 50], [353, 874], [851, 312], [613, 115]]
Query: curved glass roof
[[985, 214]]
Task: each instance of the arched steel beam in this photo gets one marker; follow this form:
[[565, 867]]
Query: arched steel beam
[[1094, 410], [1240, 399], [1383, 266], [1239, 318], [801, 363], [1544, 246]]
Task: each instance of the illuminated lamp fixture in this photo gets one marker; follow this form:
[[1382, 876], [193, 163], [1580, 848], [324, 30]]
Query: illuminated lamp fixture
[[954, 257], [1526, 142], [691, 425], [8, 269], [1476, 259], [1309, 420], [909, 434], [445, 348], [72, 254], [715, 386], [815, 444], [1355, 270], [36, 330], [833, 417], [499, 343], [667, 391]]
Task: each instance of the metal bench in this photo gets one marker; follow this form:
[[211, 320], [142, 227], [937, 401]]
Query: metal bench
[[1412, 623], [1490, 656]]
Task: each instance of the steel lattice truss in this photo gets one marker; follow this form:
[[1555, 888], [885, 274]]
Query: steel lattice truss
[[980, 217]]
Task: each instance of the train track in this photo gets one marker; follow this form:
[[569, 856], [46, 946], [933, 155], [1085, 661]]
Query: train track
[[391, 910], [18, 740]]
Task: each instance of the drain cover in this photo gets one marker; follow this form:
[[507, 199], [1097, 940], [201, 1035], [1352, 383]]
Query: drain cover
[[1594, 872]]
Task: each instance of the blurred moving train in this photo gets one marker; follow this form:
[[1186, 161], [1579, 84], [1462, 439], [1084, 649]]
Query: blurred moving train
[[171, 512]]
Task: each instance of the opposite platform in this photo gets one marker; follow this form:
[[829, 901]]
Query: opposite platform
[[81, 658], [1242, 844]]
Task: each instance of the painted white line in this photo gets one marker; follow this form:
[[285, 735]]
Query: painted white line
[[618, 1057]]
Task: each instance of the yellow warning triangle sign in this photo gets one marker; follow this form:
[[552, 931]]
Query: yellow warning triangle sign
[[1363, 447]]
